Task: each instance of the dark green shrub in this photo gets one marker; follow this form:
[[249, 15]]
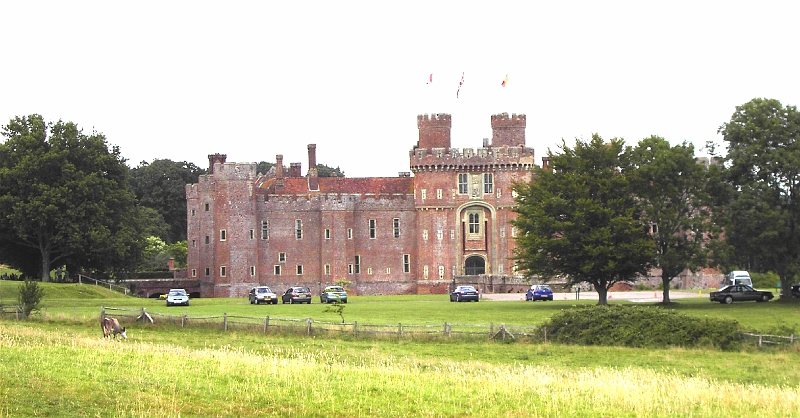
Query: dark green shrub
[[640, 326], [30, 294]]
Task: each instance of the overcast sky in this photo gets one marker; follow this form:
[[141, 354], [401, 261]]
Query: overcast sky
[[183, 79]]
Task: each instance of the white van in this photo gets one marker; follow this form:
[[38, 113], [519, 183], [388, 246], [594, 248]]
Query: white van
[[737, 277]]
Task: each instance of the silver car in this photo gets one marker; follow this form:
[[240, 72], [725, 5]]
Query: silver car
[[263, 294], [177, 297]]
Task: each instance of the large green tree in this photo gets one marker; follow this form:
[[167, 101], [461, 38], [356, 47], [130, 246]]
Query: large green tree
[[670, 186], [161, 185], [64, 200], [763, 214], [578, 219]]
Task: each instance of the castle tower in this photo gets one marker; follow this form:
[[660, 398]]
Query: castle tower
[[215, 158], [508, 130], [434, 131]]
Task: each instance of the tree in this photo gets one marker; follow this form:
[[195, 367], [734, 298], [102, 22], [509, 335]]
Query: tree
[[580, 221], [64, 199], [671, 196], [763, 215], [29, 297], [161, 185]]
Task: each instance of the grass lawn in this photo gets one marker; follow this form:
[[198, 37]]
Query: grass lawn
[[57, 364]]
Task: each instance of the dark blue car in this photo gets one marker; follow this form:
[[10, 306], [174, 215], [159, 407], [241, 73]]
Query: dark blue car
[[464, 293], [539, 292]]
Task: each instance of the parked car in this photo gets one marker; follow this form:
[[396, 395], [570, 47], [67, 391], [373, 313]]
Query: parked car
[[296, 295], [740, 293], [333, 294], [263, 294], [795, 291], [539, 292], [464, 293], [177, 297]]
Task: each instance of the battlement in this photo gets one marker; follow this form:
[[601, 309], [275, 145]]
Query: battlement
[[437, 120], [502, 120], [518, 156]]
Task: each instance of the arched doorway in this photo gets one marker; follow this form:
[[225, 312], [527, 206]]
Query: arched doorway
[[474, 265]]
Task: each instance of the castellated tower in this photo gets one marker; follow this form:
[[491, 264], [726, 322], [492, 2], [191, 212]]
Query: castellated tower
[[434, 131], [508, 130]]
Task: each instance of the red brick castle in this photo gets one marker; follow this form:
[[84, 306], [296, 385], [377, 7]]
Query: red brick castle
[[386, 235]]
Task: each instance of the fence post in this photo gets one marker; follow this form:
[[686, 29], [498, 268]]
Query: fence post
[[759, 340], [355, 328], [224, 321], [102, 313], [183, 319], [266, 324], [791, 339], [308, 326], [491, 329], [400, 329]]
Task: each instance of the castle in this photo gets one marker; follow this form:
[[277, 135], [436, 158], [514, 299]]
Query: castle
[[387, 235]]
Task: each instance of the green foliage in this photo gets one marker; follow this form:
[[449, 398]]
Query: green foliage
[[161, 185], [671, 192], [30, 295], [179, 251], [64, 200], [766, 280], [337, 308], [579, 220], [640, 326], [761, 213]]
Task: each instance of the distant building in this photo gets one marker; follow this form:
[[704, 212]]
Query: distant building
[[386, 235]]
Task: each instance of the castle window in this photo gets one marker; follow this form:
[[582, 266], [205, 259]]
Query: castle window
[[327, 233], [194, 272], [488, 186], [474, 223], [349, 233], [396, 227], [499, 194], [372, 231], [438, 193], [277, 270], [206, 207], [192, 212], [208, 271], [406, 263], [654, 228], [299, 269], [439, 234], [502, 232], [252, 270], [350, 268], [441, 272], [222, 235], [327, 269], [514, 193], [265, 229], [424, 194], [208, 240], [463, 183], [425, 234], [222, 271], [194, 243], [369, 271], [357, 264], [425, 271], [252, 234], [298, 229], [513, 231], [452, 234], [281, 257], [388, 270]]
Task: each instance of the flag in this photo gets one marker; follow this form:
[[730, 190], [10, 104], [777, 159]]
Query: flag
[[505, 81], [460, 83], [430, 79]]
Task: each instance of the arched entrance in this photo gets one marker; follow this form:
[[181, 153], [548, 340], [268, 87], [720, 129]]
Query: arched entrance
[[474, 265]]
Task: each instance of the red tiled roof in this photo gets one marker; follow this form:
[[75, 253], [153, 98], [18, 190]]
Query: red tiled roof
[[374, 185]]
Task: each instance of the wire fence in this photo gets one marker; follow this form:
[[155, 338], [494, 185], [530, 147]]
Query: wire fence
[[97, 282], [309, 326]]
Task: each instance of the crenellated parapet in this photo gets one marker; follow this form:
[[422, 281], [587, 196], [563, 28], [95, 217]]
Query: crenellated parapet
[[508, 130], [503, 120], [434, 130], [235, 171], [469, 159]]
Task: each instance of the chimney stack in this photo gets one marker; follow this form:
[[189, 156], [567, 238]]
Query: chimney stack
[[313, 179]]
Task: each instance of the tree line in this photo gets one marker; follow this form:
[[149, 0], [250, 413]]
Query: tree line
[[603, 212]]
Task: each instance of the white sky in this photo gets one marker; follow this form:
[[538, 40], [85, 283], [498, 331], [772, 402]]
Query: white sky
[[183, 79]]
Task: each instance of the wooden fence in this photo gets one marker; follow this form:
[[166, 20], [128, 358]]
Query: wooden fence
[[9, 310], [308, 326]]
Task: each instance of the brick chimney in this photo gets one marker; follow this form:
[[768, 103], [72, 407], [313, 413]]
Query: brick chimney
[[279, 170], [313, 179]]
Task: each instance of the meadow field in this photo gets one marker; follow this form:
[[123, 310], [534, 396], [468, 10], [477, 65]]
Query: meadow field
[[57, 364]]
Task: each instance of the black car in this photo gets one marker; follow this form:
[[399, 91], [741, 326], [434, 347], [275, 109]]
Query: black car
[[296, 295], [740, 293], [795, 291], [464, 293]]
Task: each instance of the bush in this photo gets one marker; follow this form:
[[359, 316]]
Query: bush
[[640, 326], [30, 294]]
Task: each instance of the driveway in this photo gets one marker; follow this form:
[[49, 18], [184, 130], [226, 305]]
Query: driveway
[[655, 296]]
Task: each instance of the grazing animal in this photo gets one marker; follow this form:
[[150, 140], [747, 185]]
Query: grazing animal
[[111, 326]]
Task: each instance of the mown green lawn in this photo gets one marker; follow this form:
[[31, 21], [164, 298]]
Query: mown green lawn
[[57, 364]]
